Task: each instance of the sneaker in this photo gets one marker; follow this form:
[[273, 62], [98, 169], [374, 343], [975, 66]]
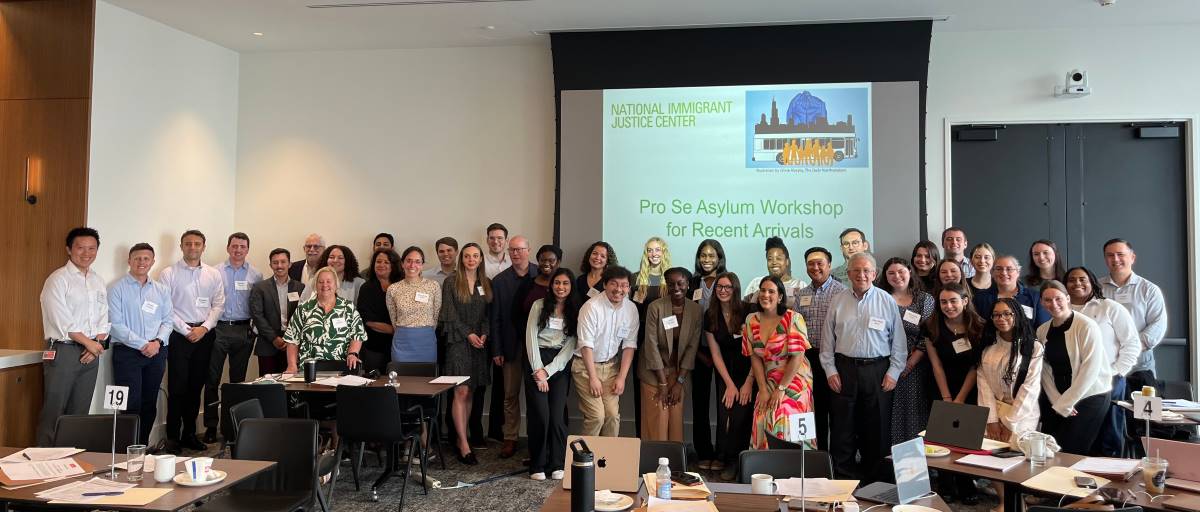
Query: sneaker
[[557, 474], [537, 476], [705, 465], [729, 474]]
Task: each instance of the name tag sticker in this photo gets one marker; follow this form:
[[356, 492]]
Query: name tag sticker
[[737, 336], [670, 322], [912, 317], [876, 323], [555, 323], [479, 289], [698, 295], [961, 345], [421, 297], [622, 332], [149, 307], [805, 300], [293, 296], [241, 286], [1028, 311], [48, 355], [592, 292], [339, 323], [201, 302]]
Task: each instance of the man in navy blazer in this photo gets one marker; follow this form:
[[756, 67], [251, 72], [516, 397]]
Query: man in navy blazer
[[270, 317]]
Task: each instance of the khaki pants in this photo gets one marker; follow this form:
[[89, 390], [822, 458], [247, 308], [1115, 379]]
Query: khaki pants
[[514, 376], [601, 415], [661, 423]]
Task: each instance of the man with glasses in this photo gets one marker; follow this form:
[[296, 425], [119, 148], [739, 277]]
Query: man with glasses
[[954, 247], [507, 346], [304, 269], [1006, 273], [608, 329], [863, 351], [853, 241], [1145, 303], [812, 302]]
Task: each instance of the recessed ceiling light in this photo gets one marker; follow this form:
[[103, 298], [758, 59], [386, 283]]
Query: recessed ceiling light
[[489, 27], [257, 33]]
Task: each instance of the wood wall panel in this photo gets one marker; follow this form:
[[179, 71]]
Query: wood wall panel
[[21, 388], [46, 48]]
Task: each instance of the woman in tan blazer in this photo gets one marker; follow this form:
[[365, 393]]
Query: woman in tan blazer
[[673, 329]]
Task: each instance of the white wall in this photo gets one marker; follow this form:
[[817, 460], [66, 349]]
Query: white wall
[[419, 143], [163, 142]]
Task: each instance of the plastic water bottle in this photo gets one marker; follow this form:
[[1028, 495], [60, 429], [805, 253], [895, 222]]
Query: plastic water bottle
[[663, 477]]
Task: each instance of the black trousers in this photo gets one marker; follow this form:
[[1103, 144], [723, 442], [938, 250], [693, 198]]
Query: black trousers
[[1077, 433], [733, 425], [702, 376], [821, 396], [187, 373], [861, 417], [234, 342], [143, 375], [495, 404], [545, 421]]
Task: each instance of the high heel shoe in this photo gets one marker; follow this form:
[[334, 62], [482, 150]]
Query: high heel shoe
[[468, 459]]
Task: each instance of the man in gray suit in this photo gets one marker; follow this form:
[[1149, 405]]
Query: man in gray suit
[[272, 302]]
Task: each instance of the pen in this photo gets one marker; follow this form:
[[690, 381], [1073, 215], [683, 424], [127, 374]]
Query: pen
[[112, 493], [27, 457]]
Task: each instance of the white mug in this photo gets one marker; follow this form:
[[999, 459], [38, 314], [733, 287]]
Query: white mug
[[164, 468], [197, 468], [762, 483]]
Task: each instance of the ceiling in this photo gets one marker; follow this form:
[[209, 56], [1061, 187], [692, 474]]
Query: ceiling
[[289, 25]]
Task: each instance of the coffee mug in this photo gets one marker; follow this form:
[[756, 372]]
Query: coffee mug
[[164, 468], [197, 468], [762, 483]]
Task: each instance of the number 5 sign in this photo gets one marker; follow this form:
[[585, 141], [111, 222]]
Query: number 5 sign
[[1147, 407], [802, 427], [116, 398]]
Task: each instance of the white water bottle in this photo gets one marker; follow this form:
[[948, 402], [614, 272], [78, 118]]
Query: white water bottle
[[663, 478]]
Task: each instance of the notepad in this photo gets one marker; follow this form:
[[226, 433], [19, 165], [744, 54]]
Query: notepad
[[1110, 467], [678, 490], [655, 504], [818, 489], [989, 462], [344, 380], [39, 454], [1061, 480], [450, 379]]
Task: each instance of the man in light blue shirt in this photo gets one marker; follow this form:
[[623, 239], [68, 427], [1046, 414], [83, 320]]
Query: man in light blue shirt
[[233, 328], [1145, 303], [140, 312], [863, 351]]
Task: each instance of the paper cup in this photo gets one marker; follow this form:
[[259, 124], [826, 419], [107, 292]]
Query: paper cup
[[164, 468], [197, 468]]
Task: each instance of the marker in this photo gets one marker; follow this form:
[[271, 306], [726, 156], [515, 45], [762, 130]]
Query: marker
[[27, 457], [113, 493]]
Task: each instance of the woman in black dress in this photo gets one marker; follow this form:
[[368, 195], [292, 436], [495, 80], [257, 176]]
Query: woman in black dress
[[466, 297]]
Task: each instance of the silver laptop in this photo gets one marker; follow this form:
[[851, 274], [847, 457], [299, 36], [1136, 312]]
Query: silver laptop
[[617, 462], [1184, 458], [912, 476]]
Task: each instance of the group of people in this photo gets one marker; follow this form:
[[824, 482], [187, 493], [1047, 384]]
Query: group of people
[[865, 347]]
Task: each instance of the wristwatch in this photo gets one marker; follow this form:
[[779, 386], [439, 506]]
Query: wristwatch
[[355, 354], [679, 379]]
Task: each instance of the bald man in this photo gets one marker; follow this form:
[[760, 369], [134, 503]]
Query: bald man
[[304, 269], [507, 344]]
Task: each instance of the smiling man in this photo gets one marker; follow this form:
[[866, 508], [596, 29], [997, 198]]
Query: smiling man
[[507, 346], [852, 241], [812, 302], [1145, 303], [608, 328], [233, 339], [140, 310]]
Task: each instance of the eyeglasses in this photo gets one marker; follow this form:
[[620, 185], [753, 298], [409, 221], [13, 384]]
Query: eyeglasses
[[723, 288], [517, 249], [1004, 270], [852, 243], [1006, 314], [312, 246]]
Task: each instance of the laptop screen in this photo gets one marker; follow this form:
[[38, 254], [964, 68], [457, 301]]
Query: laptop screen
[[912, 473]]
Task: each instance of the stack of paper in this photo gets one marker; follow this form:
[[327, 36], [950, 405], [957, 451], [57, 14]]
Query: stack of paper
[[449, 379], [821, 490], [344, 380], [1061, 480], [654, 504], [678, 490], [74, 491], [1181, 405], [989, 462], [17, 473], [1112, 468], [39, 454]]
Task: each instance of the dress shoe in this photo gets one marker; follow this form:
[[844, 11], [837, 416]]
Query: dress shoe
[[192, 443], [468, 459], [970, 499], [509, 448], [210, 436], [172, 447]]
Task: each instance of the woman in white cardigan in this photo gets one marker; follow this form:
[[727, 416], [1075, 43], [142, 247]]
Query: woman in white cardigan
[[1076, 373], [1121, 344]]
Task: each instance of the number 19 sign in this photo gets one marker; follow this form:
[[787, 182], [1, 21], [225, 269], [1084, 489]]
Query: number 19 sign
[[116, 398]]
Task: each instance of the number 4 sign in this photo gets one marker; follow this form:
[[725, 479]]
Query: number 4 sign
[[1147, 407], [802, 427], [116, 398]]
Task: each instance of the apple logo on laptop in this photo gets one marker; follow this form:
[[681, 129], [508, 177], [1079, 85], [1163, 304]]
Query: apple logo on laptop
[[603, 462], [954, 424]]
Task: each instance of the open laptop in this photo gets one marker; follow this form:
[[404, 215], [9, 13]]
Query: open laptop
[[958, 425], [1184, 459], [912, 476], [617, 462]]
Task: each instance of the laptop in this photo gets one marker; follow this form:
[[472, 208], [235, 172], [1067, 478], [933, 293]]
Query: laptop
[[912, 476], [957, 425], [617, 462], [1184, 459]]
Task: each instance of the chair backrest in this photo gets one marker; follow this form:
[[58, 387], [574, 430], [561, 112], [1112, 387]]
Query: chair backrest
[[775, 443], [290, 443], [675, 452], [246, 410], [412, 369], [271, 398], [1040, 508], [94, 432], [1178, 389], [783, 464], [369, 413]]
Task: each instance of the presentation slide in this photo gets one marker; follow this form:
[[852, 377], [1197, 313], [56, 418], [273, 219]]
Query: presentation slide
[[739, 164], [736, 164]]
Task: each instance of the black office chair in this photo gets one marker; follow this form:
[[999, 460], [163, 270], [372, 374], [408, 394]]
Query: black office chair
[[783, 464], [94, 432], [1040, 508], [675, 452], [244, 411], [431, 406], [292, 485], [272, 400], [367, 414]]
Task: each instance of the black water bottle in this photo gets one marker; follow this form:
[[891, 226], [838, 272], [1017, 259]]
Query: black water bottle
[[583, 478]]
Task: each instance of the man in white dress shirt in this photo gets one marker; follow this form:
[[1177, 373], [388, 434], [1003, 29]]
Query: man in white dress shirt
[[495, 260], [608, 327], [198, 298], [75, 322]]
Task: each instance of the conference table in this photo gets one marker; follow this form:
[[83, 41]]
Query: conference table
[[412, 386], [179, 498], [733, 498]]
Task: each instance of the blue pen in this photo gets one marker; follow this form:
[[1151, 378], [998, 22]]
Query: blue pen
[[113, 493]]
